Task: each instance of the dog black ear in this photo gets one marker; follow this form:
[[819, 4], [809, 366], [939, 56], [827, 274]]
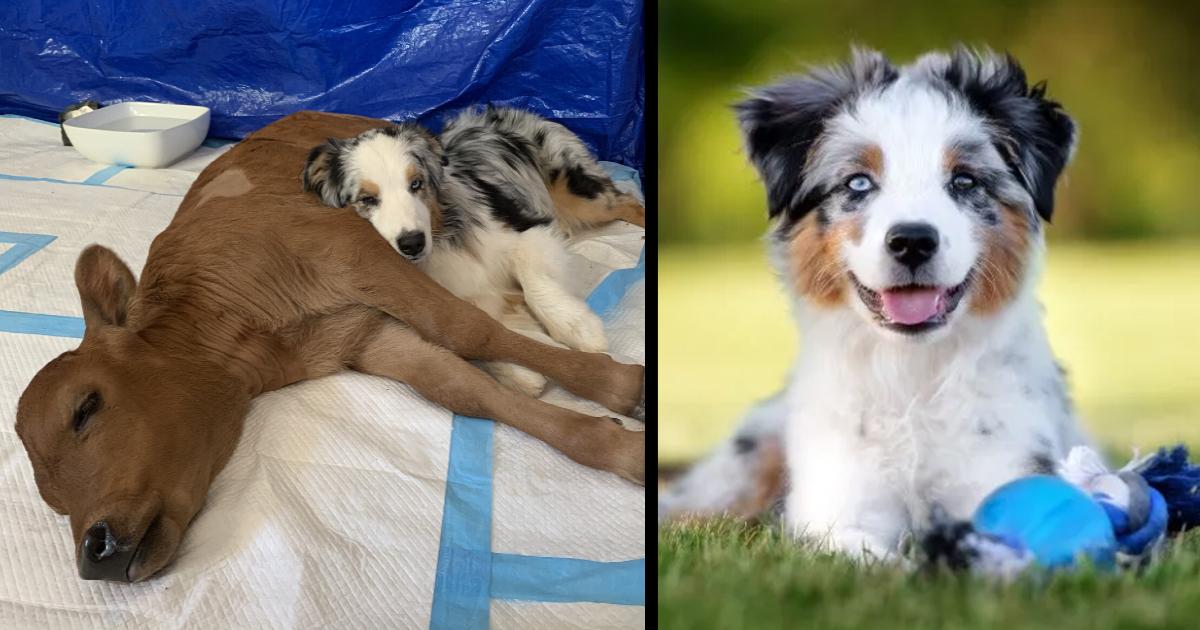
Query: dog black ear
[[782, 122], [1033, 133], [323, 174]]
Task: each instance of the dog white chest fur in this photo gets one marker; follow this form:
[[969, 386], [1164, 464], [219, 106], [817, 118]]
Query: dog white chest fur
[[877, 433]]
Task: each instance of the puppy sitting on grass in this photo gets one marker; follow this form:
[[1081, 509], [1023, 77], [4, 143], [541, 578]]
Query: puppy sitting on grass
[[907, 207], [485, 211]]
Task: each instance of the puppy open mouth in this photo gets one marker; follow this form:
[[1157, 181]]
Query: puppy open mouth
[[912, 309]]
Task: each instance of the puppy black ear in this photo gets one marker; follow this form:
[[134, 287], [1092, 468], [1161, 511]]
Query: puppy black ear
[[324, 175], [1033, 133], [782, 122]]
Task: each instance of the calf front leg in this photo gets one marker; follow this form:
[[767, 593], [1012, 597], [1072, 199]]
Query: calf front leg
[[444, 378], [377, 276]]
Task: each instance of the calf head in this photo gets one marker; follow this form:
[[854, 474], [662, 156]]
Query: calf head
[[125, 436]]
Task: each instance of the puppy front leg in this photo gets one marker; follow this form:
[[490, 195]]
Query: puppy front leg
[[838, 501], [538, 260], [517, 318]]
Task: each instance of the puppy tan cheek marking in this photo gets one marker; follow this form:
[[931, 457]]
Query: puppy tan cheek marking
[[871, 159], [950, 160], [1003, 263], [815, 257]]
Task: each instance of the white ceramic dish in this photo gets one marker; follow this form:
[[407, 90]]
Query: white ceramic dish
[[148, 135]]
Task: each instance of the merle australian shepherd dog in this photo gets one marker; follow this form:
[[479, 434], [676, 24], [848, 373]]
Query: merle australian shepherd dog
[[907, 208], [485, 209]]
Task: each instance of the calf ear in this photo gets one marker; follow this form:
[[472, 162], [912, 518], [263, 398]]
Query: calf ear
[[105, 286], [324, 175]]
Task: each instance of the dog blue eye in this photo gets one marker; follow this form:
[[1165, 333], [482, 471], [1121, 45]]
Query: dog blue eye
[[860, 183], [963, 182], [415, 185]]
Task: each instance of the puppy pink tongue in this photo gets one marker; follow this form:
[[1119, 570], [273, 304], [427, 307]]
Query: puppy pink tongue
[[912, 306]]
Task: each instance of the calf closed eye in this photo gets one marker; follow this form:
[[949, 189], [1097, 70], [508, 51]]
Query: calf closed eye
[[85, 410]]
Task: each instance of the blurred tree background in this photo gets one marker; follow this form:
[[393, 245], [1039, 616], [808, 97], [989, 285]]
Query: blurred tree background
[[1127, 72], [1124, 253]]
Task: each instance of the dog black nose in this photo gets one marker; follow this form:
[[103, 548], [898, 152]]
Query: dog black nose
[[912, 244], [100, 557], [411, 243]]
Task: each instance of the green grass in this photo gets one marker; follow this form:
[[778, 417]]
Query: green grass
[[729, 576], [1121, 317]]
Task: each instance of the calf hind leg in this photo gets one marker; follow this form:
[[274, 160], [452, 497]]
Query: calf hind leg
[[397, 352], [374, 275]]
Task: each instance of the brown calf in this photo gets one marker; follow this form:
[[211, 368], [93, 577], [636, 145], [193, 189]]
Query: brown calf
[[253, 286]]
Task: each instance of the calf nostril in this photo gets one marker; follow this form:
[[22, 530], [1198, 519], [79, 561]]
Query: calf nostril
[[98, 542], [411, 243]]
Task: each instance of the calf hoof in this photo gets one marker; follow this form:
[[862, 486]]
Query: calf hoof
[[629, 456], [639, 410]]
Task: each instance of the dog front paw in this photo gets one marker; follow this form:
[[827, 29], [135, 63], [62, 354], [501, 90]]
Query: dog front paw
[[639, 411], [861, 546], [582, 330], [518, 379]]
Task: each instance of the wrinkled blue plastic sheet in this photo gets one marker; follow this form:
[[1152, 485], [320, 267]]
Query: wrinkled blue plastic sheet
[[253, 61]]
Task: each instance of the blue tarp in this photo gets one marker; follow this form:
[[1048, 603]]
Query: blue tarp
[[252, 61]]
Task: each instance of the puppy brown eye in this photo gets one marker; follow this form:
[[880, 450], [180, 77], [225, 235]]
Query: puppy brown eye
[[84, 411], [368, 200], [415, 185], [963, 182]]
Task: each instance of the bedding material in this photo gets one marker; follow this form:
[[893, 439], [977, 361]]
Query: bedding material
[[350, 501]]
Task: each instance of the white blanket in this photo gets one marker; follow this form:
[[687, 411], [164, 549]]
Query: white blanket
[[331, 511]]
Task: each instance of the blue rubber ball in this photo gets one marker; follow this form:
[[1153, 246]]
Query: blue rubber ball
[[1051, 518]]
